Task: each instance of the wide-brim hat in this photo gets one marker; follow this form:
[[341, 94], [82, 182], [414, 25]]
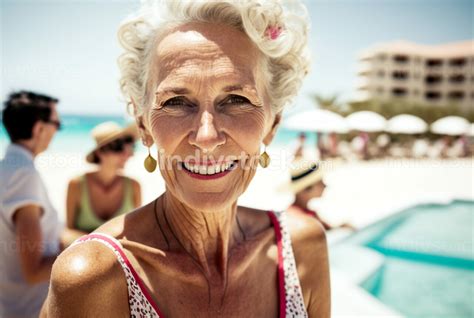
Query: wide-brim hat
[[107, 132], [305, 173]]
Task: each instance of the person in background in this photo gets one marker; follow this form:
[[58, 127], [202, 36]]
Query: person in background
[[300, 147], [98, 196], [321, 145], [333, 144], [30, 231], [307, 183]]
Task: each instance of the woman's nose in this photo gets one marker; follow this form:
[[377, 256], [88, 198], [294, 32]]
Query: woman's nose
[[207, 138], [129, 150]]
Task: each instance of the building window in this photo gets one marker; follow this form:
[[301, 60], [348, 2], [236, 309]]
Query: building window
[[457, 78], [434, 62], [398, 91], [431, 95], [399, 75], [433, 79], [456, 95], [402, 59], [458, 61]]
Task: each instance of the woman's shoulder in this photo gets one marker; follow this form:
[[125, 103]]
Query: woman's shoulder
[[77, 180], [84, 276], [305, 229], [133, 181], [309, 244], [84, 263], [98, 260]]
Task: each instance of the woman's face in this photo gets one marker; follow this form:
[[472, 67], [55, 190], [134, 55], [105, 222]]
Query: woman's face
[[117, 155], [211, 111]]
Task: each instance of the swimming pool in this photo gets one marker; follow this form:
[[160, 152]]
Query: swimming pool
[[427, 267]]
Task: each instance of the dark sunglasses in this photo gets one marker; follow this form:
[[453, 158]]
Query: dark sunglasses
[[118, 145], [55, 123]]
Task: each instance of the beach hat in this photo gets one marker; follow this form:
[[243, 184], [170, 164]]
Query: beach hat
[[304, 173], [107, 132]]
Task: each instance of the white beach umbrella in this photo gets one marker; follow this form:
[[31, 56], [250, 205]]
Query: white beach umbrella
[[367, 121], [471, 130], [451, 125], [317, 120], [406, 124]]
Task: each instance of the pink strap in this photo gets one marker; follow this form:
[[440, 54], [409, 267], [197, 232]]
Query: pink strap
[[117, 248], [281, 270]]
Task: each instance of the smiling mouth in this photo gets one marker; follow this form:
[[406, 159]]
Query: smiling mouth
[[209, 171]]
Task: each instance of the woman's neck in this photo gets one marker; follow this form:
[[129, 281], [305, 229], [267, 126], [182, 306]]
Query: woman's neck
[[301, 202], [207, 237], [106, 174]]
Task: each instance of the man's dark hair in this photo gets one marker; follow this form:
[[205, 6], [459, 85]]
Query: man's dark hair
[[21, 112]]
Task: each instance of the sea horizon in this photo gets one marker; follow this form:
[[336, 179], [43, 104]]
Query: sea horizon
[[75, 134]]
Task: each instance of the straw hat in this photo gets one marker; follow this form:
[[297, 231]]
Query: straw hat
[[305, 173], [107, 132]]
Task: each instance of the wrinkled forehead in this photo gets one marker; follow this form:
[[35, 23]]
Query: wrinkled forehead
[[222, 50]]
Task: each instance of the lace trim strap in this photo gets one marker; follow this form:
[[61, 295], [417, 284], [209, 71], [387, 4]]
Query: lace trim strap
[[136, 287], [291, 295]]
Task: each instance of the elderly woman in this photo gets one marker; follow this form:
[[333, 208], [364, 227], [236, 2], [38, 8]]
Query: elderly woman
[[208, 81]]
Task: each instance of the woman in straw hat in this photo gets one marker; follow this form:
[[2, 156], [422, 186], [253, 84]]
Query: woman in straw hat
[[307, 182], [208, 81], [98, 196]]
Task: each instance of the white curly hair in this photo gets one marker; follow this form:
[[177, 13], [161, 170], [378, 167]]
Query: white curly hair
[[286, 56]]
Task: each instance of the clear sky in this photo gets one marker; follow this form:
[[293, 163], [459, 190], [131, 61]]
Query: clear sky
[[69, 49]]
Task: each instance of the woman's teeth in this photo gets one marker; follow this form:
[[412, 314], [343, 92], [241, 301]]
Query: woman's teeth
[[208, 170]]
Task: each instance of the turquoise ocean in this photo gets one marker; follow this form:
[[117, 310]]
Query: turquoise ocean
[[75, 134]]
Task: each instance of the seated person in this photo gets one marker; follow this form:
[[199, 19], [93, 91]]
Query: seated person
[[98, 196], [307, 183]]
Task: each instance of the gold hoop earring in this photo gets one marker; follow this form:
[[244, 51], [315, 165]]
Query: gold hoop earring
[[150, 162], [264, 159]]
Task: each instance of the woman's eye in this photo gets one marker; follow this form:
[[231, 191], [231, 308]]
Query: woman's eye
[[236, 99], [176, 101]]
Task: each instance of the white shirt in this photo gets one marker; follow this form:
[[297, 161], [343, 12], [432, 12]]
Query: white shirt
[[21, 185]]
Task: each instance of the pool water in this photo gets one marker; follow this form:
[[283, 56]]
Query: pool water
[[428, 260]]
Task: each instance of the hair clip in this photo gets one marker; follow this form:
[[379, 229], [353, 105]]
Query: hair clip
[[273, 31]]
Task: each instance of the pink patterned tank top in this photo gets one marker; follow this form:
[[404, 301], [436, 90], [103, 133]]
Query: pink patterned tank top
[[291, 303]]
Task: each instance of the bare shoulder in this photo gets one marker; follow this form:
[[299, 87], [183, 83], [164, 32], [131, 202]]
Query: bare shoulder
[[75, 182], [134, 182], [311, 255], [87, 279], [305, 231]]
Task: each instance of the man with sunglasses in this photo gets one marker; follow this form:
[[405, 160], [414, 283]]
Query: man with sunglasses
[[29, 225]]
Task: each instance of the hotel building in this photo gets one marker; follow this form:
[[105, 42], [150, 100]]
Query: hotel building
[[424, 74]]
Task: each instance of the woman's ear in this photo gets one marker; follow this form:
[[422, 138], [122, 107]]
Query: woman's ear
[[276, 123], [145, 136]]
